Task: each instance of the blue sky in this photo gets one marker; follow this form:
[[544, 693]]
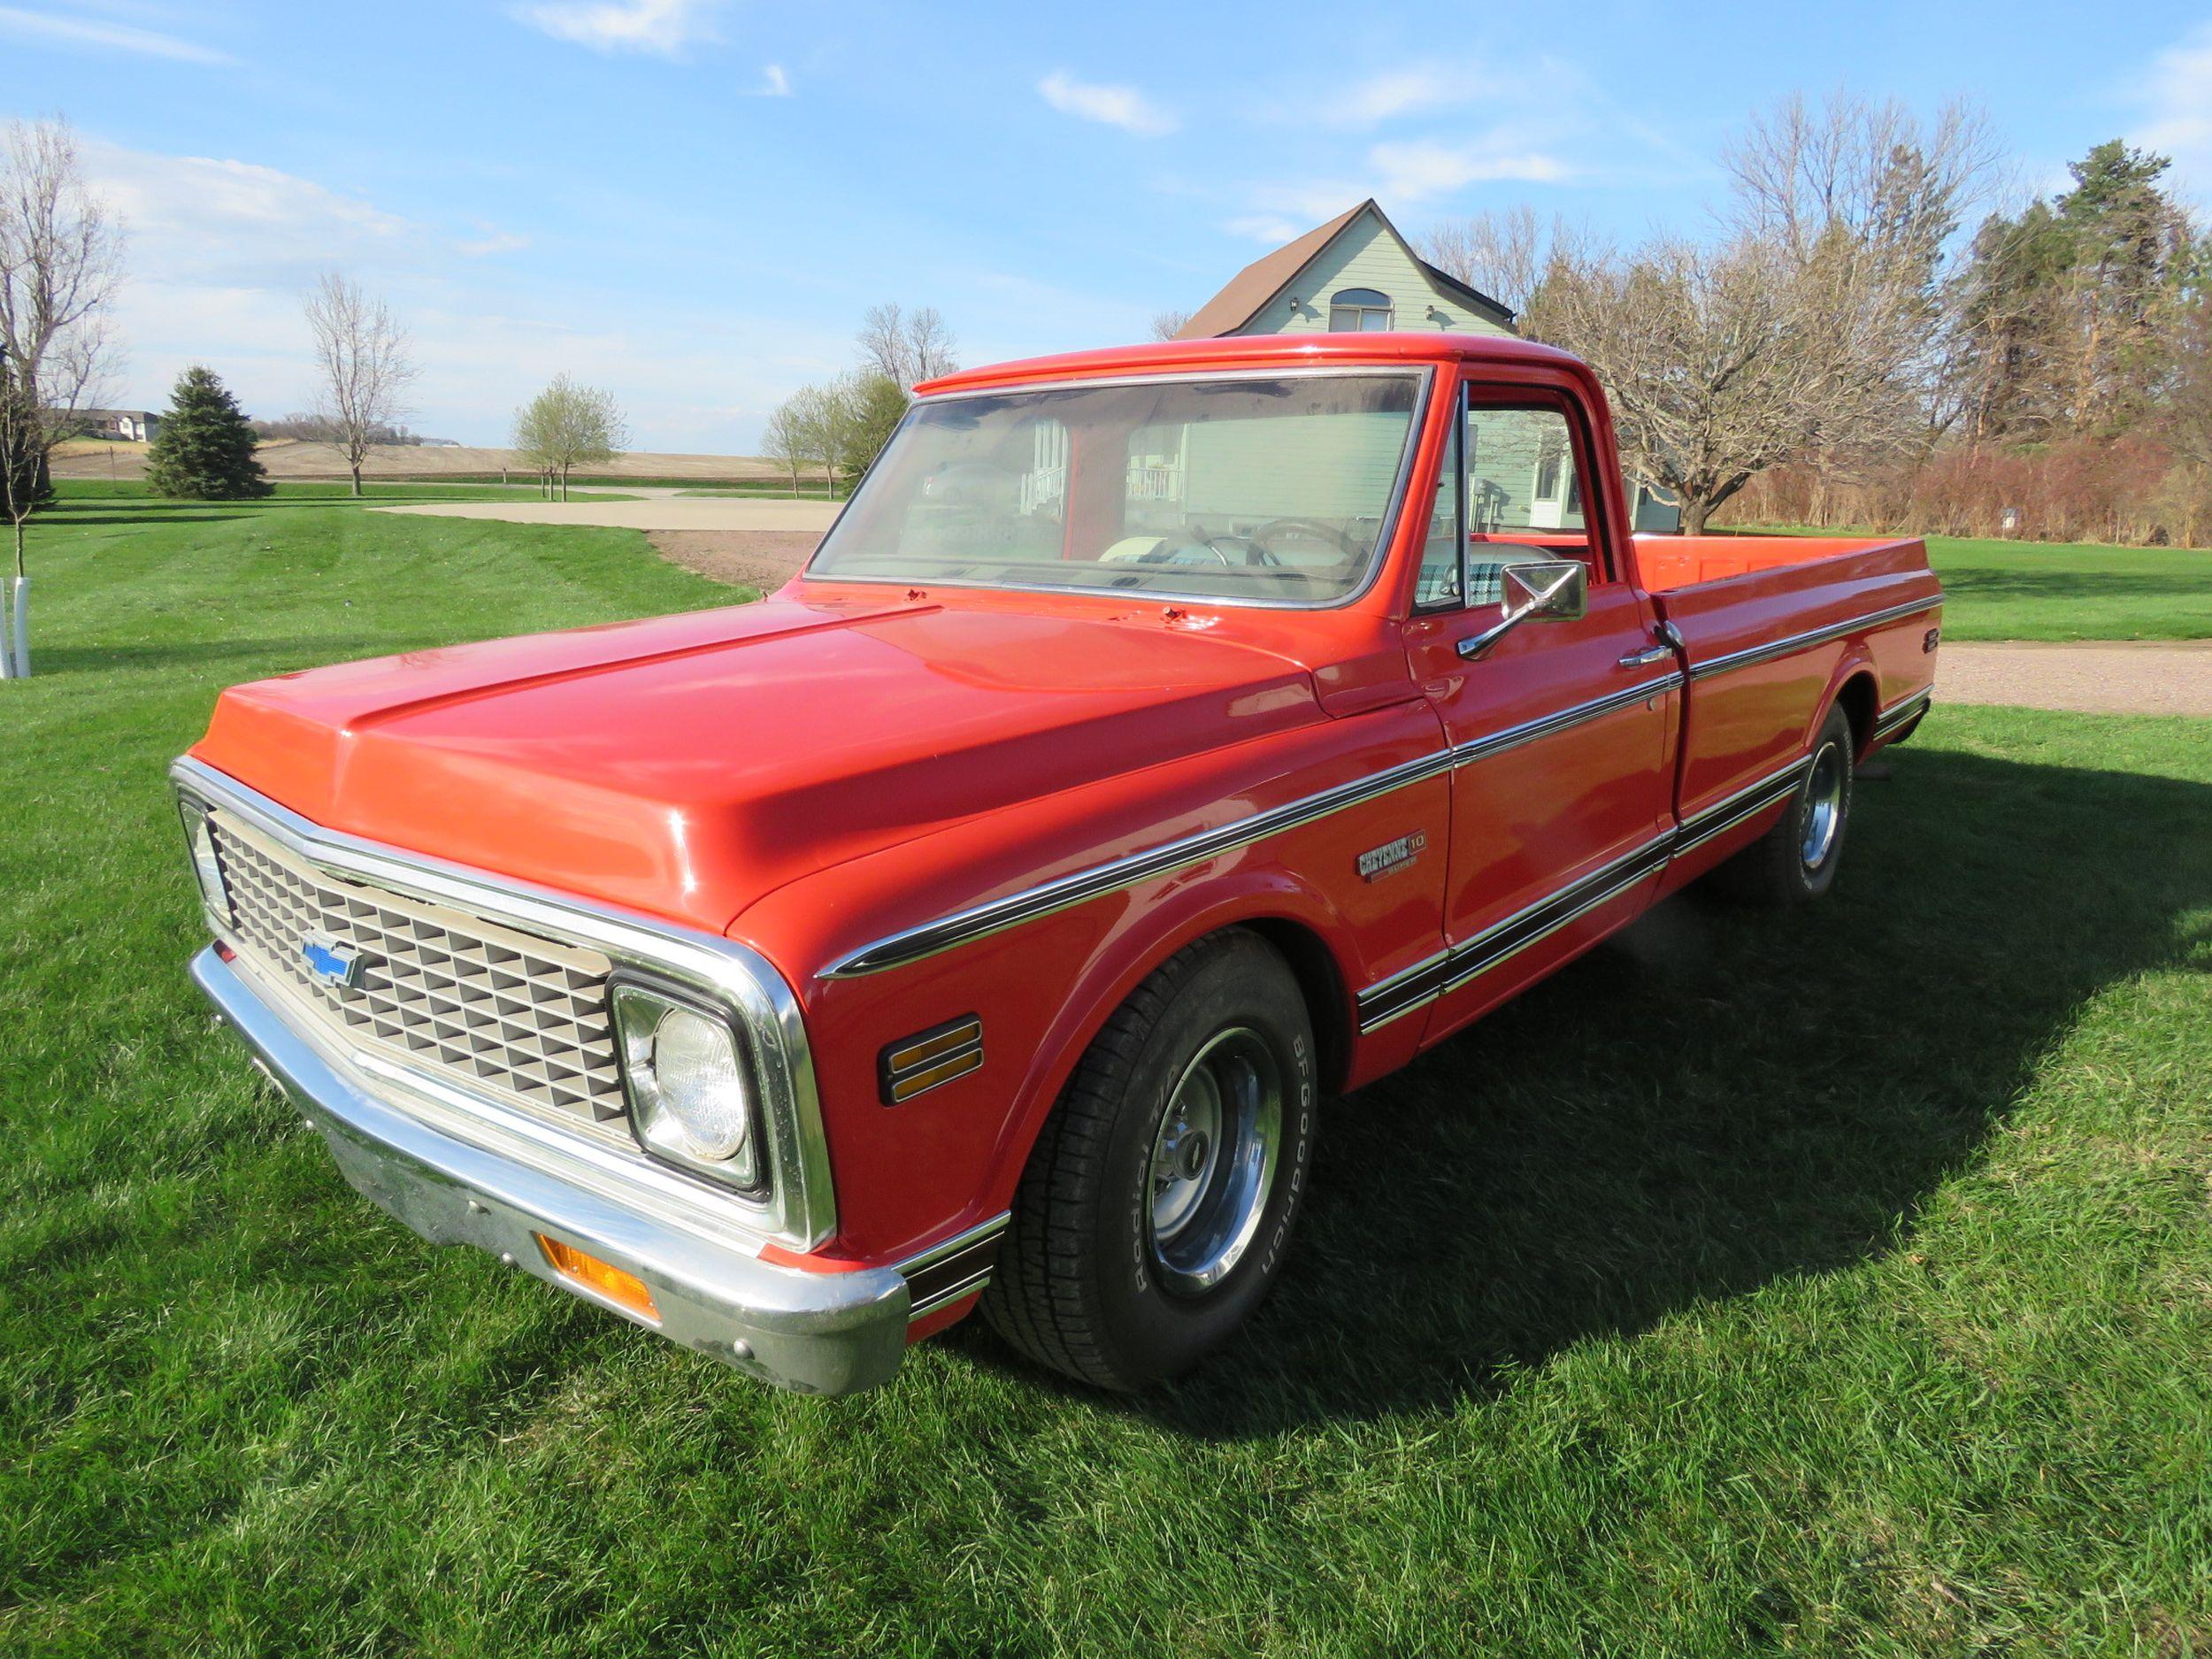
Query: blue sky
[[692, 201]]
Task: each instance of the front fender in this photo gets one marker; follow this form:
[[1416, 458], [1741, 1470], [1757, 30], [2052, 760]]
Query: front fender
[[1265, 892], [935, 1161]]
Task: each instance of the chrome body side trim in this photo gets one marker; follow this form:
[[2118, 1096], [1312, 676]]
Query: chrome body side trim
[[455, 1178], [955, 1268], [1545, 725], [1748, 801], [1903, 713], [1503, 940], [1423, 983], [996, 915], [800, 1207], [1809, 639], [1400, 993]]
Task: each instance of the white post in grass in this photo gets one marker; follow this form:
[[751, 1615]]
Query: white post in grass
[[7, 638], [20, 601]]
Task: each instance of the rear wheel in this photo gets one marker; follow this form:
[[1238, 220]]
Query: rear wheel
[[1158, 1203], [1797, 859]]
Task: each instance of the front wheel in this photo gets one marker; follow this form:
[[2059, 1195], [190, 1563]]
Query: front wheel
[[1158, 1203], [1796, 860]]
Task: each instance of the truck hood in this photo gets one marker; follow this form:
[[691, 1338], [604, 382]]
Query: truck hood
[[688, 765]]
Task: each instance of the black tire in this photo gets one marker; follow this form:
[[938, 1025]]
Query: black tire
[[1084, 1282], [1776, 869]]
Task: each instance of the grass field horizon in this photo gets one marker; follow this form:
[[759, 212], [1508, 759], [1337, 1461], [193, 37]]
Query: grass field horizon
[[1998, 589], [1829, 1282]]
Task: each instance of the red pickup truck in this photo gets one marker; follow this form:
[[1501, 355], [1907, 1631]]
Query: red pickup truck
[[1163, 741]]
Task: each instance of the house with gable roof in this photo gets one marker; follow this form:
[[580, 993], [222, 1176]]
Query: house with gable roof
[[1357, 274]]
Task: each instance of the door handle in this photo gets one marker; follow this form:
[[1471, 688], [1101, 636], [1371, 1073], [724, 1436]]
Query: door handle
[[1670, 642]]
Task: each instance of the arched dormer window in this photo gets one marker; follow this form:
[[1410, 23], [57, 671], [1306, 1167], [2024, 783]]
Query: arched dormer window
[[1359, 311]]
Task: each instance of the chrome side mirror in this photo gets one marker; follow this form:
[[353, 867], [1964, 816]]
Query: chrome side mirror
[[1538, 590]]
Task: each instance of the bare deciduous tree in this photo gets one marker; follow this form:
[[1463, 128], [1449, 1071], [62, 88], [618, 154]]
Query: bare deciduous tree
[[1810, 330], [61, 262], [1502, 254], [906, 347], [795, 434], [567, 425], [1716, 366], [362, 356], [1166, 325], [1864, 198]]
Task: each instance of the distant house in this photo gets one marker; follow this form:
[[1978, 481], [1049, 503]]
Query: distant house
[[135, 425], [1353, 274], [1357, 274]]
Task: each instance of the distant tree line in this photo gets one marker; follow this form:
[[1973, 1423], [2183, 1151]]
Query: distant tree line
[[835, 429], [1844, 350], [312, 429]]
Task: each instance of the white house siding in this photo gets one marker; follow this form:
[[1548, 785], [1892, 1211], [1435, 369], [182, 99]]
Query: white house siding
[[1316, 467], [1501, 473], [1364, 255]]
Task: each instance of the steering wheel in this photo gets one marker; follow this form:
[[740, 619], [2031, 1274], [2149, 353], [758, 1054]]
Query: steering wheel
[[1255, 550], [1265, 535]]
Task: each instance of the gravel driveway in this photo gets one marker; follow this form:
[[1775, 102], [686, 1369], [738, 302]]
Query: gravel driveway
[[2113, 677]]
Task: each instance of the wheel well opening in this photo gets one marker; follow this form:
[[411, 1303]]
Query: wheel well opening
[[1861, 705], [1314, 967]]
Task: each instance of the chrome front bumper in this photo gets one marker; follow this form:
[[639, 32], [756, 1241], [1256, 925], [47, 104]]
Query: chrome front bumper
[[828, 1333]]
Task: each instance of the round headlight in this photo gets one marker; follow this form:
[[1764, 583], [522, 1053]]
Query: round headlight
[[696, 1069]]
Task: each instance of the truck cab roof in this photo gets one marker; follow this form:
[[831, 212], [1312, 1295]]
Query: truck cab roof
[[1262, 351]]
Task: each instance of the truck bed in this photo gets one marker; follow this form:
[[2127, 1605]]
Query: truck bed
[[1771, 625], [1669, 564]]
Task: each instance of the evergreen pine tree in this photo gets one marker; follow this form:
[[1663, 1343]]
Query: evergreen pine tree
[[204, 448]]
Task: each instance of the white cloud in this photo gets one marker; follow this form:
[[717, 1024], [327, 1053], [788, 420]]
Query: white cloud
[[661, 27], [492, 241], [1402, 92], [1125, 107], [1415, 171], [1266, 227], [221, 251], [92, 34], [773, 83], [1398, 175], [198, 216], [2177, 103]]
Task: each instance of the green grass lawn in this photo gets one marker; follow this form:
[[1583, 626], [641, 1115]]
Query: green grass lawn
[[2031, 590], [1837, 1282]]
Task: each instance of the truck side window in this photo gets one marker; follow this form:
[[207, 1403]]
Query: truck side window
[[1523, 494], [1438, 584]]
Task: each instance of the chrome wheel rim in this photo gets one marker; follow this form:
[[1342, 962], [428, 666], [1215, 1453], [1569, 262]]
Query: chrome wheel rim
[[1824, 807], [1213, 1162]]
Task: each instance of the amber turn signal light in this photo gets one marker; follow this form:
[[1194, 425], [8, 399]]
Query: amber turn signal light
[[625, 1289]]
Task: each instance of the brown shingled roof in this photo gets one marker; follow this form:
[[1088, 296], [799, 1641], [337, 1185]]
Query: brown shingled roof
[[1243, 296]]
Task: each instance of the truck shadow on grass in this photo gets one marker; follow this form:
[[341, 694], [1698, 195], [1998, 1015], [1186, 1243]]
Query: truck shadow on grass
[[259, 656], [2070, 584], [1718, 1099]]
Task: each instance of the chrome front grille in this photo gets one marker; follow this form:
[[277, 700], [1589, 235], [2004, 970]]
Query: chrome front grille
[[436, 987]]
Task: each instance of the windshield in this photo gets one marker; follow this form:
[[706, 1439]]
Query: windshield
[[1271, 488]]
